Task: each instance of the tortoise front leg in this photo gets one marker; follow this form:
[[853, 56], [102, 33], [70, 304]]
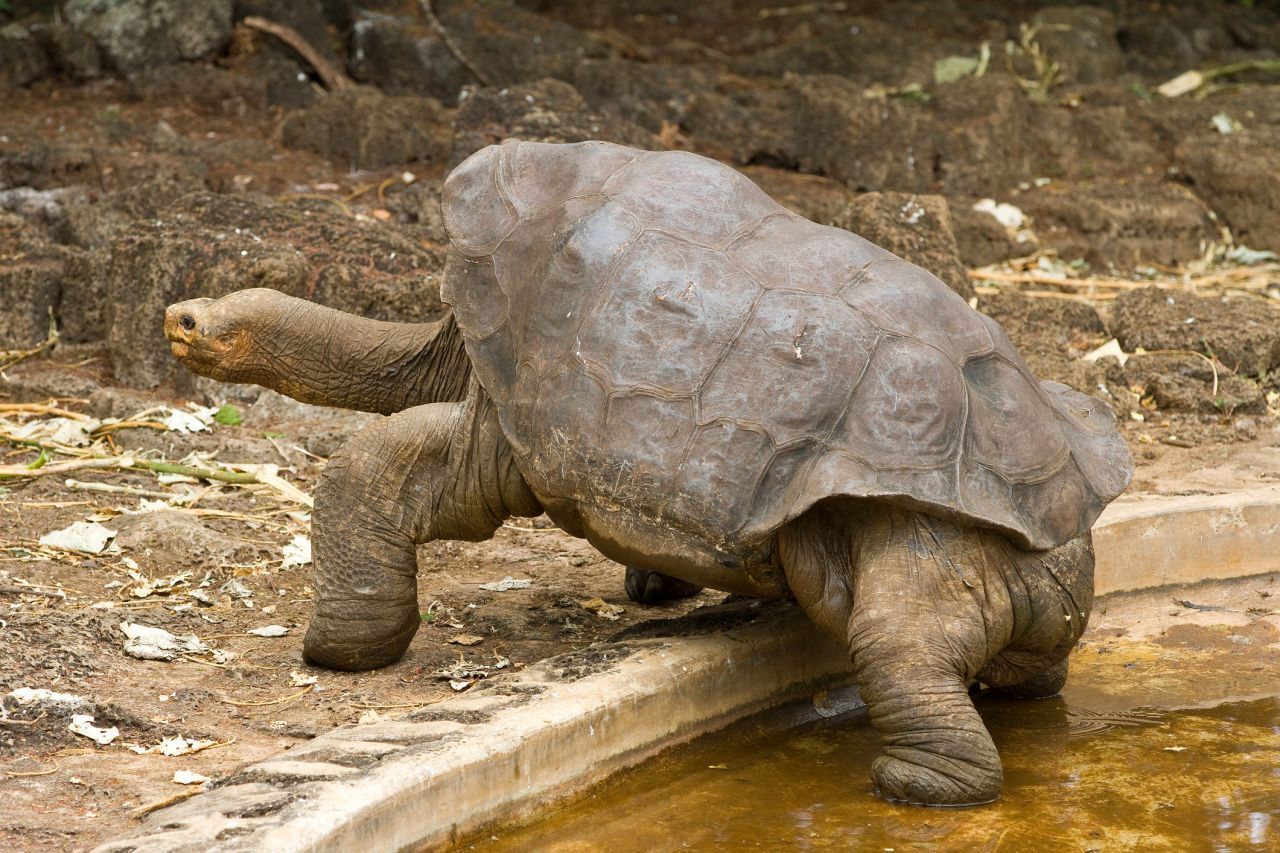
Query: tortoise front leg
[[440, 471]]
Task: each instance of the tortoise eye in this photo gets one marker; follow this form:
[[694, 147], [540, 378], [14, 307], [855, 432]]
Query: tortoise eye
[[187, 322]]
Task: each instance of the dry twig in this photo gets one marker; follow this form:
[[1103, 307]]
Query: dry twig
[[14, 774], [429, 12], [143, 811], [333, 77]]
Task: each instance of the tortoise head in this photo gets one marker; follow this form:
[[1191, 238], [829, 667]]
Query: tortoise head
[[221, 338]]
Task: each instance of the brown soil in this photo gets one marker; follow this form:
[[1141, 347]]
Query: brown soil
[[197, 178]]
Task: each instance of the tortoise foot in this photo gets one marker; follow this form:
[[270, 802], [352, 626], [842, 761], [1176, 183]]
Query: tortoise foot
[[646, 587]]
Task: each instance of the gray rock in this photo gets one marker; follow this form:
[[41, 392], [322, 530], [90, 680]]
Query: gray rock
[[1242, 332], [30, 289], [980, 238], [136, 35], [404, 57], [362, 128], [514, 45], [305, 17], [1179, 382], [40, 279], [1238, 176], [73, 53], [645, 93], [1082, 40], [1120, 225], [542, 111], [22, 60]]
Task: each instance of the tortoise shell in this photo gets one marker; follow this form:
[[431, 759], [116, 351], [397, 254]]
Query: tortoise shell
[[662, 338]]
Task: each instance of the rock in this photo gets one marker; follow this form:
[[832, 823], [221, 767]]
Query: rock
[[40, 279], [1242, 332], [135, 35], [305, 17], [648, 94], [750, 121], [980, 238], [364, 129], [947, 145], [22, 60], [862, 50], [73, 53], [339, 13], [915, 227], [417, 208], [1238, 176], [211, 245], [513, 45], [542, 111], [168, 541], [31, 290], [1082, 40], [284, 81], [1184, 383], [1119, 224], [1252, 26], [1155, 45], [403, 56]]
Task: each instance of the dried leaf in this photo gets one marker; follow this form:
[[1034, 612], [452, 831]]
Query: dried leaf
[[147, 643], [297, 552], [507, 583], [82, 724], [269, 631], [298, 679], [602, 608], [87, 537], [466, 639]]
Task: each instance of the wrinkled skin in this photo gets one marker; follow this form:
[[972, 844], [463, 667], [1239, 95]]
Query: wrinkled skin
[[926, 606]]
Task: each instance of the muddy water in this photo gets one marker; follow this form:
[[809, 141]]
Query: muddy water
[[1084, 771]]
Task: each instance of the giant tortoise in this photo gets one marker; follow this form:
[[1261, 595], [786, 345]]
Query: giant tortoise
[[707, 387]]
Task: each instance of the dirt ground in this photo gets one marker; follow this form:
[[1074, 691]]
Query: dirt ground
[[131, 177]]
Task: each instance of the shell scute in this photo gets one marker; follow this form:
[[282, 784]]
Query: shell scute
[[688, 195], [680, 305], [792, 367], [908, 410], [903, 299], [788, 251]]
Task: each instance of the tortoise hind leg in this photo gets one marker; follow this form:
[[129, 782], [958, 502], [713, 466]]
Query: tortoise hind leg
[[908, 595], [646, 587], [927, 607], [440, 471]]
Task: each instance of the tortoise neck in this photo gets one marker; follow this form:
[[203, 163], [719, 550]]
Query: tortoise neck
[[326, 357]]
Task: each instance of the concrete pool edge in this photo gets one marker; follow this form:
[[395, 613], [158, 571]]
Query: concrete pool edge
[[498, 754], [1152, 541]]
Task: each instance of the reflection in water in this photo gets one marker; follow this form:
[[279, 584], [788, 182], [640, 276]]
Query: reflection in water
[[1075, 779]]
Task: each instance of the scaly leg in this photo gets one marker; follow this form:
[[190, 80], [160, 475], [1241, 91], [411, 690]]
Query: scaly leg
[[924, 605], [440, 471]]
